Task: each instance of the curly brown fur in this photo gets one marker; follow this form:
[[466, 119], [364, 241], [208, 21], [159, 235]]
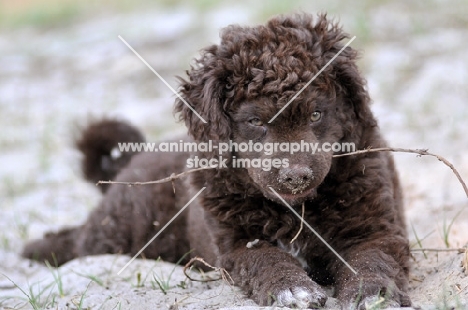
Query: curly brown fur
[[354, 202], [98, 143]]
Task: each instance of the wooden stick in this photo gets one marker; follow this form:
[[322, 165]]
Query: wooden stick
[[421, 152], [170, 178], [302, 224], [414, 151], [459, 250], [224, 275]]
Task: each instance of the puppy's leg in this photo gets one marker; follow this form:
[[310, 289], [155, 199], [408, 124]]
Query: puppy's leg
[[272, 277], [129, 217], [103, 232], [56, 248], [381, 276]]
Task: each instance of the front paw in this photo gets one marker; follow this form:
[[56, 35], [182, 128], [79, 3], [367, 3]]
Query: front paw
[[301, 297], [372, 294], [376, 302], [298, 291]]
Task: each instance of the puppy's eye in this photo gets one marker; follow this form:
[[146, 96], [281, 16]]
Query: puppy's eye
[[316, 116], [256, 122]]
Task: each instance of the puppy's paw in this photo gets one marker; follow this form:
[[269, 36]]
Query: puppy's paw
[[298, 291], [301, 297], [376, 302], [373, 294]]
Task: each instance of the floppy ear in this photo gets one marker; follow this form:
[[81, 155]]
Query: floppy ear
[[205, 93], [355, 115], [353, 86], [349, 81]]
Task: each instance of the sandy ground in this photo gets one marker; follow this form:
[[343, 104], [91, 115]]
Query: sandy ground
[[53, 79]]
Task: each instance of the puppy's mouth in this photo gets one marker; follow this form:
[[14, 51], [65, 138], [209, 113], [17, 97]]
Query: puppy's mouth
[[294, 197]]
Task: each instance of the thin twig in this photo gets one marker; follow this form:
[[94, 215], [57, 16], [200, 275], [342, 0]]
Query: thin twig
[[224, 275], [459, 250], [302, 224], [170, 178], [420, 152], [416, 151]]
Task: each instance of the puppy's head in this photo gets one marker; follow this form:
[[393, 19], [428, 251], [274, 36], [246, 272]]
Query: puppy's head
[[239, 86]]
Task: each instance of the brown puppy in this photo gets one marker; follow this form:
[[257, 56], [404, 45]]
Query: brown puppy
[[354, 202]]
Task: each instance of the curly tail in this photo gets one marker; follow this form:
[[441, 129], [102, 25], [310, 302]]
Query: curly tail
[[99, 144]]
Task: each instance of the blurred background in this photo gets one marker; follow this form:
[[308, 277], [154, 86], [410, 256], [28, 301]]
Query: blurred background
[[61, 62]]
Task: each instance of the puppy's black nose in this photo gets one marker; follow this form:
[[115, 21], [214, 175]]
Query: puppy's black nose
[[296, 178]]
